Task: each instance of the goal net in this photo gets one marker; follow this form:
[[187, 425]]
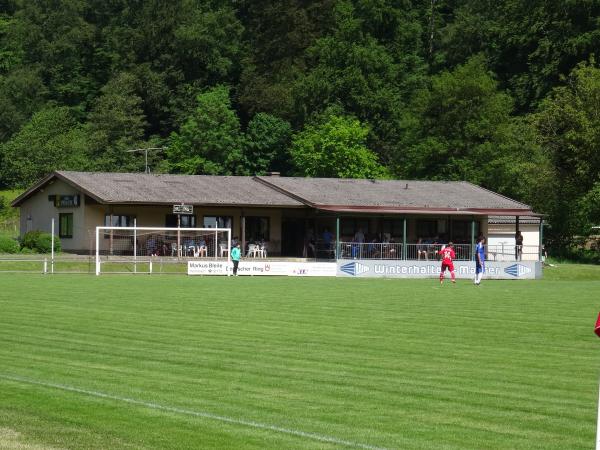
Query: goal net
[[149, 249]]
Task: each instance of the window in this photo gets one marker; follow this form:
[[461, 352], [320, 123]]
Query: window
[[118, 221], [186, 221], [64, 201], [65, 225], [257, 229], [218, 222]]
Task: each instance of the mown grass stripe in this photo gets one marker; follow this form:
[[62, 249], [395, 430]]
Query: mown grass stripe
[[202, 414]]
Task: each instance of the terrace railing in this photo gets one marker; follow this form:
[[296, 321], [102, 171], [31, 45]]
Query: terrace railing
[[511, 252], [370, 250], [430, 252]]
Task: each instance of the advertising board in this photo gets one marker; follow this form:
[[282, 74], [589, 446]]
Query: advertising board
[[263, 268], [497, 270]]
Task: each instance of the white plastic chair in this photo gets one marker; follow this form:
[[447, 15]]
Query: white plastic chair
[[223, 250], [252, 250]]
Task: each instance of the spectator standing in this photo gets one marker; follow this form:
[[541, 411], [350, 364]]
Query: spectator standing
[[359, 236], [236, 254], [479, 259], [518, 246]]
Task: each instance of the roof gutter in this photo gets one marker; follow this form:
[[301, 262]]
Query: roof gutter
[[424, 210]]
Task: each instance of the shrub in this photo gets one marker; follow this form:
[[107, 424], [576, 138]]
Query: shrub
[[8, 245], [44, 243], [40, 242]]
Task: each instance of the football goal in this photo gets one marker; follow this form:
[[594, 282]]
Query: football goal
[[140, 249]]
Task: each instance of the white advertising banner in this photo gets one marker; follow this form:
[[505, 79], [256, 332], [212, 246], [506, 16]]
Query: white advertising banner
[[427, 269], [261, 268]]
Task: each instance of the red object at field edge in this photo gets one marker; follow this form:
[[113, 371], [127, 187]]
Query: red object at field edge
[[597, 327]]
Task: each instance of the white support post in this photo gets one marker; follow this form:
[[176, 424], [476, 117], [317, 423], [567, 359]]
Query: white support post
[[228, 251], [52, 250], [111, 239], [150, 267], [216, 241], [178, 235], [135, 245], [598, 423], [45, 266], [97, 250]]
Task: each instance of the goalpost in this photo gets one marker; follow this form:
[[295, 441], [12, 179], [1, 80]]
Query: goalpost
[[136, 249]]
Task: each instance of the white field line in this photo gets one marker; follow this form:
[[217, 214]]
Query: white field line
[[189, 412]]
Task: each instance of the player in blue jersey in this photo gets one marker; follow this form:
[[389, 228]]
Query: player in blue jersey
[[479, 259]]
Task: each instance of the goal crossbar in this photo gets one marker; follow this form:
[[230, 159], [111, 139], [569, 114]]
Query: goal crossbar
[[162, 241]]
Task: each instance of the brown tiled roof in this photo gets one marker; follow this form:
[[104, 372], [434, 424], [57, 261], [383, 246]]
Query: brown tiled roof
[[327, 194], [128, 188], [353, 194]]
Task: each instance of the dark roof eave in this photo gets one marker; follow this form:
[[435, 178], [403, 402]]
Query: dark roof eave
[[422, 210], [227, 205]]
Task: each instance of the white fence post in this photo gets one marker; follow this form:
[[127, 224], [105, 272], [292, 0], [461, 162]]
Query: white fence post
[[135, 245], [97, 250], [52, 250], [45, 266]]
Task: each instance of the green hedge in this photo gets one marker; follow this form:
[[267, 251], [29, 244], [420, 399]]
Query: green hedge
[[40, 242], [8, 245]]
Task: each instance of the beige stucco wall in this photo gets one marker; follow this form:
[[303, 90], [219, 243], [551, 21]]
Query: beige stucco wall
[[37, 213], [505, 233]]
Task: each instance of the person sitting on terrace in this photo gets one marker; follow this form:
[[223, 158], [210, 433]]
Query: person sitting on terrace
[[151, 246], [421, 250], [309, 250], [373, 248], [201, 248]]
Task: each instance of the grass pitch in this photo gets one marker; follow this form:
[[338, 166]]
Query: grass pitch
[[213, 362]]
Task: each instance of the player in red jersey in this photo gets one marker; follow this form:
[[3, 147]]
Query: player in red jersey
[[447, 254]]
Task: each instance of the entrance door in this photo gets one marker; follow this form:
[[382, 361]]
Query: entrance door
[[292, 237]]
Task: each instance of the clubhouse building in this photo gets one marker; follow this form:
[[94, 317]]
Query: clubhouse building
[[321, 218]]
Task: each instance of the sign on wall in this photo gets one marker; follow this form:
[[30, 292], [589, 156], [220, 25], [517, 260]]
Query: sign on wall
[[183, 209], [428, 269]]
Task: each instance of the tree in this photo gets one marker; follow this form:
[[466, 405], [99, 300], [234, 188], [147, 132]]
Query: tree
[[51, 140], [22, 93], [335, 147], [277, 34], [451, 129], [267, 140], [210, 141], [568, 126], [116, 124], [369, 64], [53, 37], [530, 44]]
